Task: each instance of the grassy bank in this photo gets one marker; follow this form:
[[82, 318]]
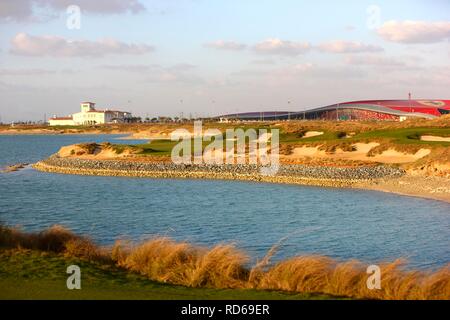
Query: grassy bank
[[34, 274], [402, 139], [221, 271]]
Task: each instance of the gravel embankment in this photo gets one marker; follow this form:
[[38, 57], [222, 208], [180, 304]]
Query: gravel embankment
[[297, 174]]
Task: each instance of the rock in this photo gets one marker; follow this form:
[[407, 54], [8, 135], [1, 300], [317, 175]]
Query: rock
[[15, 167], [286, 174]]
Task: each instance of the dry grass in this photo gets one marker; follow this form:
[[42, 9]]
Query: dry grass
[[386, 145], [286, 149], [224, 266], [53, 239], [88, 148], [164, 260], [56, 239], [331, 148], [436, 163], [300, 274], [86, 249], [317, 274]]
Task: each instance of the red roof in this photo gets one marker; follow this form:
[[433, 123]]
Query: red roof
[[428, 106]]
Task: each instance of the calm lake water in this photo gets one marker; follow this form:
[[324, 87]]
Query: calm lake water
[[340, 223]]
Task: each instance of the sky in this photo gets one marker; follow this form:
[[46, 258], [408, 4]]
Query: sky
[[210, 57]]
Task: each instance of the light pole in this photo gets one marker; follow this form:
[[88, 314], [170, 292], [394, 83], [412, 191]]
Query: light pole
[[289, 111], [409, 102]]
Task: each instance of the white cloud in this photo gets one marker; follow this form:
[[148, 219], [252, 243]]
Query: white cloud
[[264, 62], [178, 73], [375, 60], [303, 67], [141, 68], [25, 10], [226, 45], [340, 46], [306, 70], [27, 45], [274, 46], [15, 10], [282, 47], [315, 72], [138, 68], [25, 72], [415, 31], [182, 67]]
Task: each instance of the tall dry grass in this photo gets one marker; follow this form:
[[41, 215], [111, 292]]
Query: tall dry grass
[[57, 239], [224, 266], [165, 260], [52, 239]]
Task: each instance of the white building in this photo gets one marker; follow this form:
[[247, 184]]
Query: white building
[[91, 116]]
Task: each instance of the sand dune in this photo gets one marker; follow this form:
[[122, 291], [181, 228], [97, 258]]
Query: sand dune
[[435, 138], [310, 134], [100, 153], [360, 154]]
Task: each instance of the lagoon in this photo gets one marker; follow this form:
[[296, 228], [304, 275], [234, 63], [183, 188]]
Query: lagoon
[[341, 223]]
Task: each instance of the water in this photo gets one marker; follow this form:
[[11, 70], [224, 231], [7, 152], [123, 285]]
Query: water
[[341, 223]]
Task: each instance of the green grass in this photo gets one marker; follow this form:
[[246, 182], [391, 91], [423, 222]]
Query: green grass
[[292, 138], [400, 136], [38, 275], [408, 135], [396, 136], [164, 147], [157, 147]]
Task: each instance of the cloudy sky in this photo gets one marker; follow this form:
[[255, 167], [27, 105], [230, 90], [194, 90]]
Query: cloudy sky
[[206, 57]]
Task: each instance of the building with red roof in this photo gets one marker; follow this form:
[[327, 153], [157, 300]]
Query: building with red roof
[[390, 110]]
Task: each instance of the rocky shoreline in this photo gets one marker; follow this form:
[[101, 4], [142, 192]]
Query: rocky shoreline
[[291, 174], [14, 167]]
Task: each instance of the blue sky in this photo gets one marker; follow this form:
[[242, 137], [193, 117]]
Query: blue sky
[[210, 57]]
